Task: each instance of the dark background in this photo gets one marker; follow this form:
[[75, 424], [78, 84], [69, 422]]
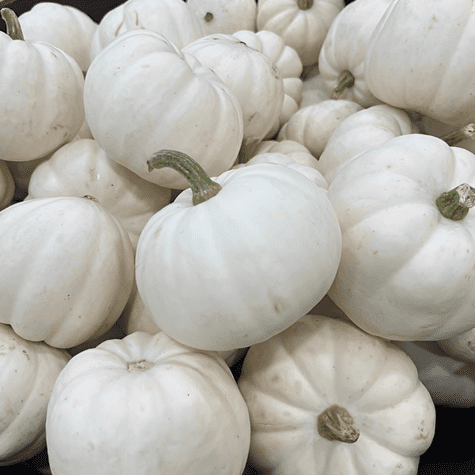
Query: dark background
[[452, 451]]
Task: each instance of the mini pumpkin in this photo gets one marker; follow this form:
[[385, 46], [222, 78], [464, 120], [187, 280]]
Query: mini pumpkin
[[341, 58], [250, 75], [28, 373], [42, 95], [82, 168], [399, 205], [418, 58], [67, 269], [64, 26], [236, 259], [181, 408], [361, 131], [303, 24], [142, 94], [313, 125], [327, 398]]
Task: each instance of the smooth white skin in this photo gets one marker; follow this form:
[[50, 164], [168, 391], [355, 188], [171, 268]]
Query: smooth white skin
[[406, 273], [243, 265], [288, 380]]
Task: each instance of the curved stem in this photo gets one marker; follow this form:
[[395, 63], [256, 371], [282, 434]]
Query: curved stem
[[13, 25], [202, 187], [455, 204], [467, 132], [336, 423], [345, 81]]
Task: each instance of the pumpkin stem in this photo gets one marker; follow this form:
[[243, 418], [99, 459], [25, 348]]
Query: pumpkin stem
[[202, 187], [455, 204], [13, 24], [140, 365], [467, 132], [305, 4], [345, 81], [336, 423]]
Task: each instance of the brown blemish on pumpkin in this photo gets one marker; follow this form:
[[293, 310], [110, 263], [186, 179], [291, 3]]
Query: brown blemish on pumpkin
[[208, 17]]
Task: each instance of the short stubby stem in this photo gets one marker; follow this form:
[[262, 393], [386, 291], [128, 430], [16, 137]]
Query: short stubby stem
[[346, 80], [13, 24], [336, 423], [139, 366], [455, 204], [202, 187], [305, 4], [465, 133]]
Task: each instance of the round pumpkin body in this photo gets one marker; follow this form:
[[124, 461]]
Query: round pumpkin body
[[419, 58], [246, 263], [326, 398], [28, 373], [42, 105], [287, 62], [313, 125], [142, 94], [343, 51], [67, 269], [361, 131], [147, 404], [303, 24], [173, 19], [64, 26], [251, 77], [82, 168], [407, 271]]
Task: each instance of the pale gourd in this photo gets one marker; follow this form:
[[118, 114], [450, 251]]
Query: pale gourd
[[326, 398], [230, 286], [42, 95], [341, 58], [313, 125], [361, 131], [142, 94], [82, 168], [419, 58], [64, 26], [303, 24], [250, 75], [399, 205], [67, 269], [182, 409], [29, 371]]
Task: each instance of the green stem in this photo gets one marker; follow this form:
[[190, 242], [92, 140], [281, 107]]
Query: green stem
[[345, 81], [455, 204], [13, 25], [336, 423], [467, 132], [202, 187]]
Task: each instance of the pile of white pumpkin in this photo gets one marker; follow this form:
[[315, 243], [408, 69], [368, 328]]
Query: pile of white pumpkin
[[184, 185]]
